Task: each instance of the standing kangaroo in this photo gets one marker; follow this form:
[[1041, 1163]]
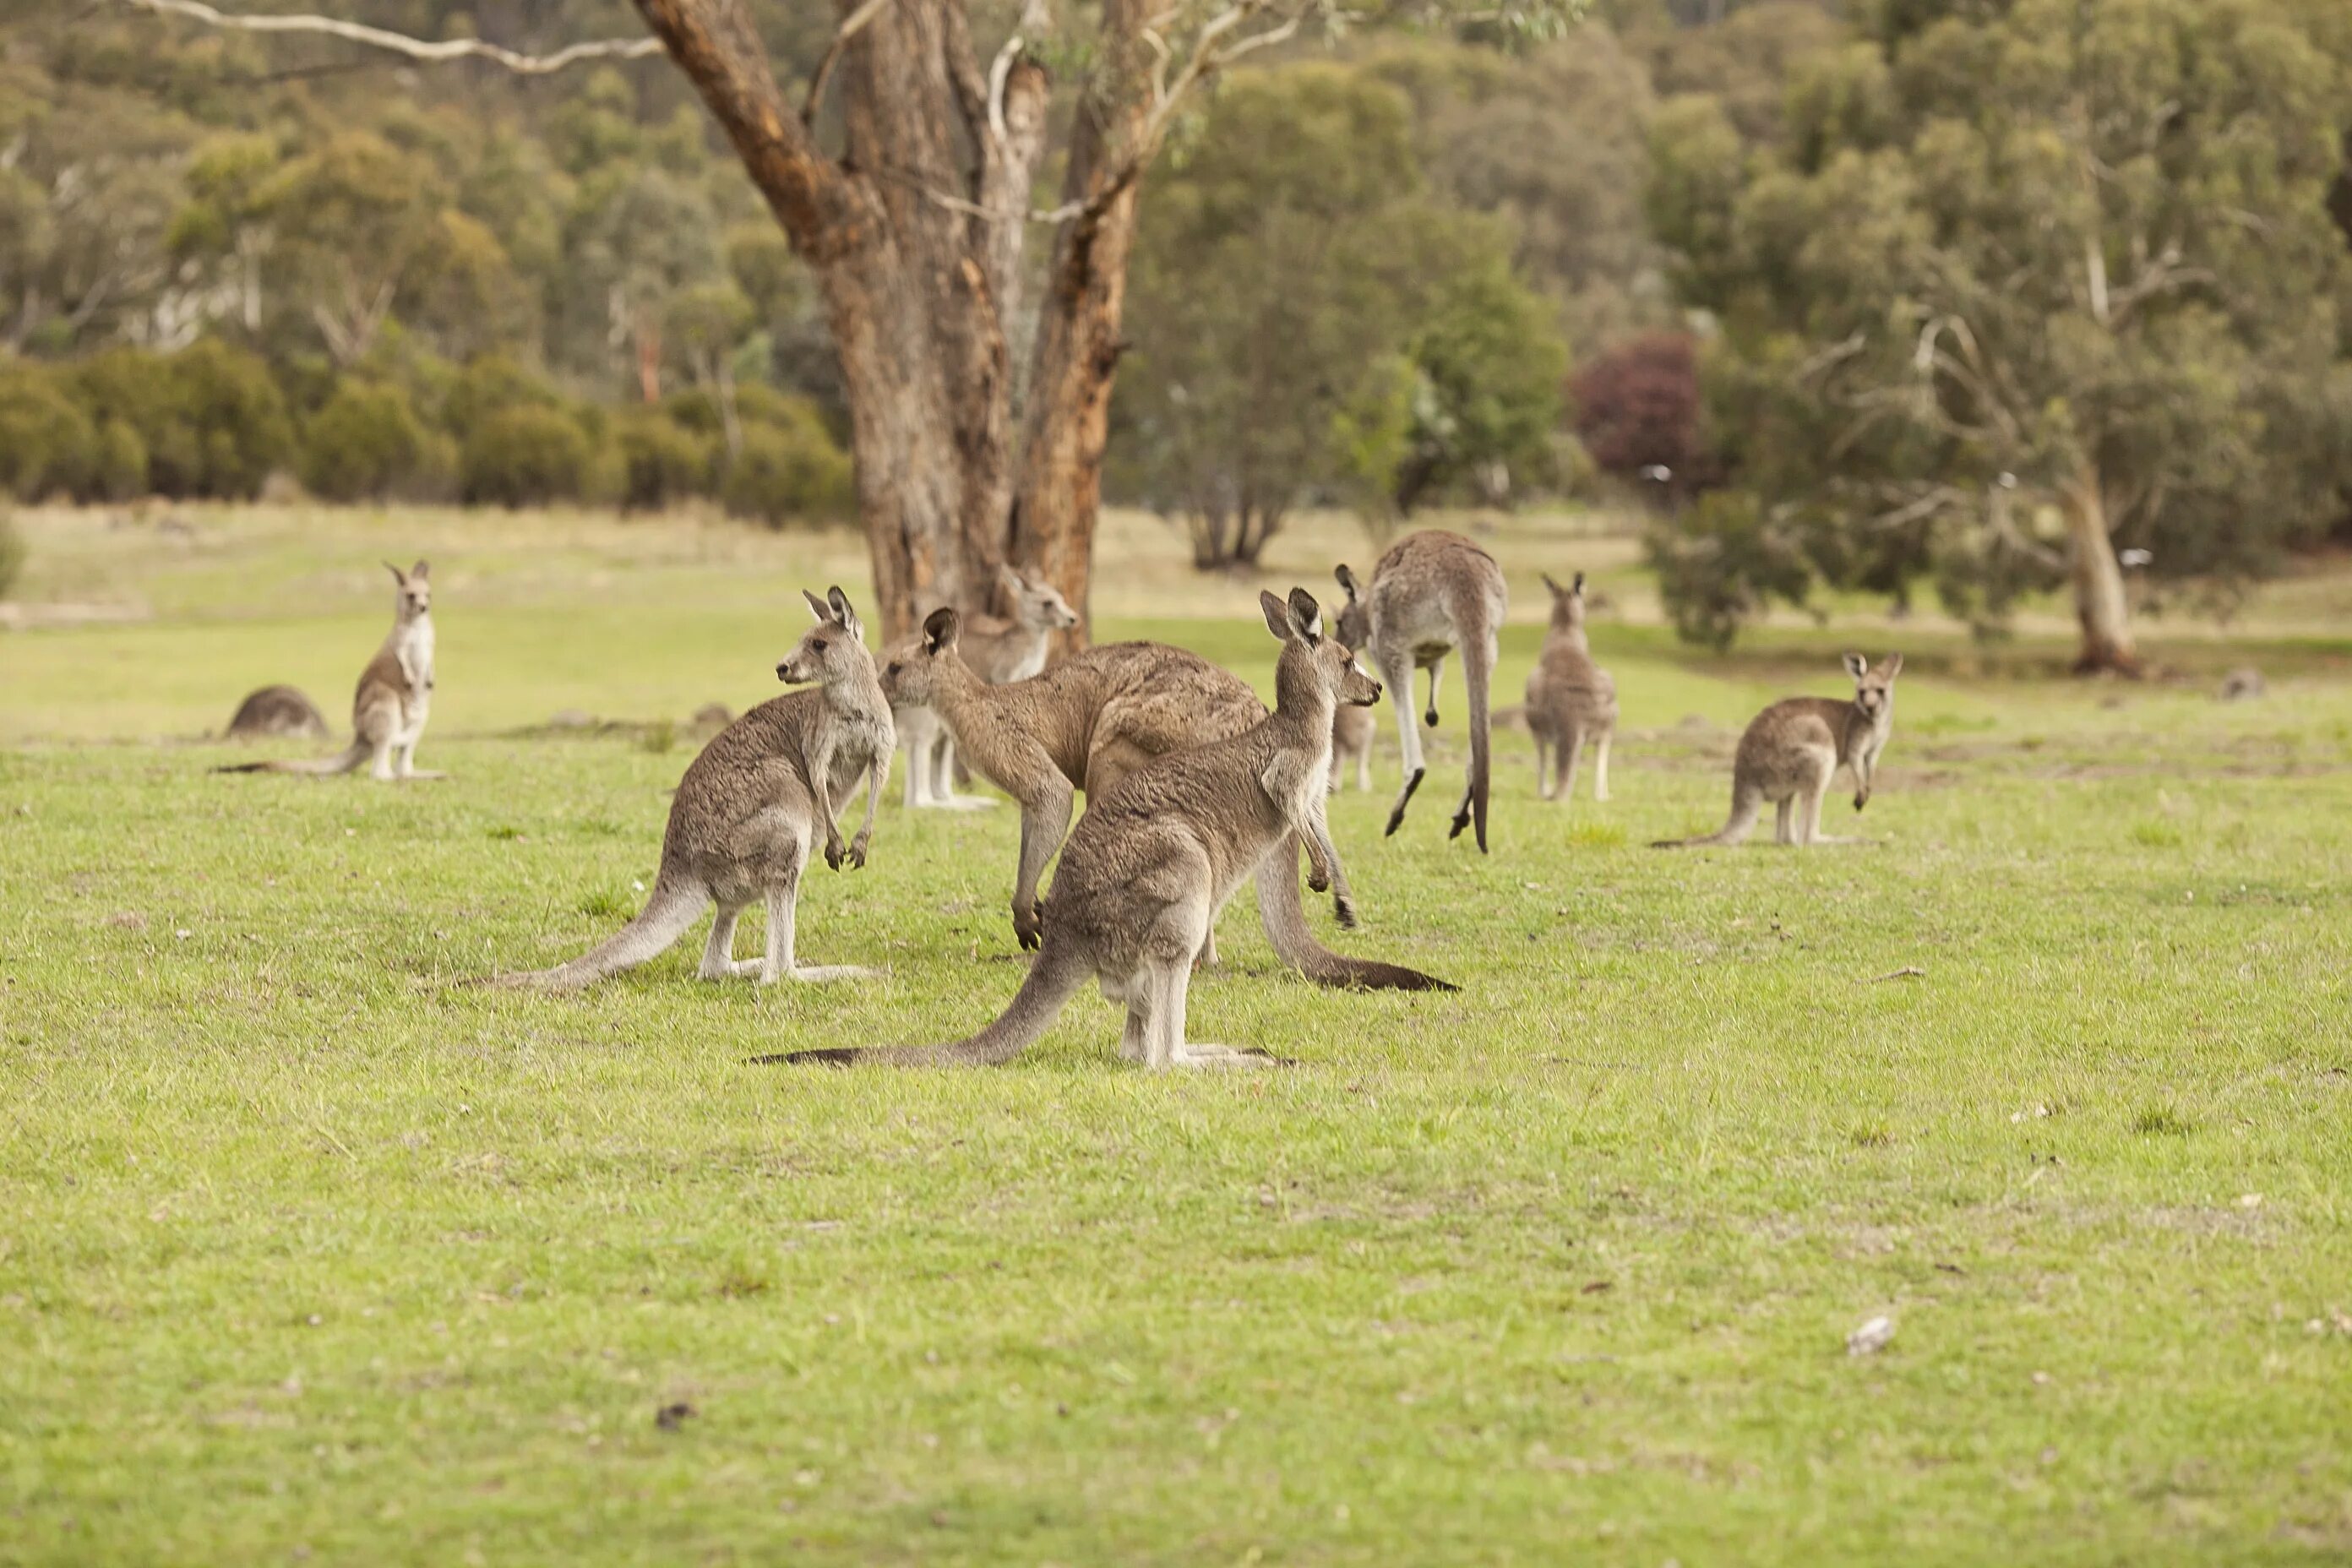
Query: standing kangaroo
[[1353, 727], [1088, 724], [750, 807], [1153, 860], [1432, 593], [395, 695], [1792, 749], [1570, 700], [1002, 651]]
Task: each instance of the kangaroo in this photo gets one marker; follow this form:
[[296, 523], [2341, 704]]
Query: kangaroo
[[395, 695], [1432, 593], [276, 710], [1088, 724], [1001, 651], [1147, 869], [750, 809], [1570, 700], [1792, 749], [1353, 728]]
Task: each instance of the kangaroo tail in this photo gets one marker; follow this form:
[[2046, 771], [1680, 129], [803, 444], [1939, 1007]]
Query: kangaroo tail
[[673, 906], [1284, 915], [1745, 807], [322, 768], [1479, 655], [1054, 978]]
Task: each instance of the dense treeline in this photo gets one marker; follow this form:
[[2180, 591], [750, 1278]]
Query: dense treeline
[[1971, 293]]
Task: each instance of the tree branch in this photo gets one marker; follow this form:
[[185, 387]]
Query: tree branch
[[401, 44], [851, 26]]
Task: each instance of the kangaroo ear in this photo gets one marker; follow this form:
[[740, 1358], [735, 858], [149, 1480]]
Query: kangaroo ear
[[1577, 586], [397, 574], [1346, 580], [839, 603], [1892, 668], [421, 571], [1277, 615], [940, 629], [1307, 616], [822, 611], [1556, 591], [1856, 666]]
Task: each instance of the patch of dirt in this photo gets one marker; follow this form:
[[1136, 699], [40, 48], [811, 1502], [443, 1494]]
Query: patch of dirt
[[16, 617]]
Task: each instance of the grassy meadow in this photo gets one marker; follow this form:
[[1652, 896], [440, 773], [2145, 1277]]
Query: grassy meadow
[[308, 1254]]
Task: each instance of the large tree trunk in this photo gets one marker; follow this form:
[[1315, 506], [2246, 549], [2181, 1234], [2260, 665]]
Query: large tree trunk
[[2100, 605], [915, 234]]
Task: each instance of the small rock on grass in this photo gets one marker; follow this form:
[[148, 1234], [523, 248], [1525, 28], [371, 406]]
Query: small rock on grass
[[671, 1417], [1872, 1337]]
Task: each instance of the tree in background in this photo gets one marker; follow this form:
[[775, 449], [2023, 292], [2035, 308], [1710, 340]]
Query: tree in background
[[2022, 279], [1636, 408]]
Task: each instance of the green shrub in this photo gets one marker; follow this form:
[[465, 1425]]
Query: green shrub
[[364, 443], [662, 461], [786, 474], [211, 421], [46, 443], [524, 456], [120, 469], [491, 383]]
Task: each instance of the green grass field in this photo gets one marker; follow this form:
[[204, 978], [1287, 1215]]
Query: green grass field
[[307, 1254]]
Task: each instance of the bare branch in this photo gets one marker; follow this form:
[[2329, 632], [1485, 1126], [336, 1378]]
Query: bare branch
[[401, 44], [851, 26]]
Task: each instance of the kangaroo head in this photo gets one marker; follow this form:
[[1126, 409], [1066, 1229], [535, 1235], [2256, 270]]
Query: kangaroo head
[[910, 670], [1036, 604], [1314, 671], [1355, 627], [1567, 604], [415, 595], [834, 649], [1874, 689]]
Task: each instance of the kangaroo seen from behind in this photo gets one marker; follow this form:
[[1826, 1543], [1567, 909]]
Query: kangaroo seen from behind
[[395, 695], [1791, 751], [1152, 861], [752, 807], [1087, 724], [1570, 700], [1432, 593], [999, 650]]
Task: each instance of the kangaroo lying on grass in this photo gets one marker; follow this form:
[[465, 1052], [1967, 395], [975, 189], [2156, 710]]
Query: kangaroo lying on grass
[[1001, 651], [1433, 593], [1570, 700], [394, 696], [1791, 750], [1090, 723], [1153, 860], [750, 809]]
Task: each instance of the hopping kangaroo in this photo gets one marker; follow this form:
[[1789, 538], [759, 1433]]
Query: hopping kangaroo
[[751, 805], [1152, 861], [1001, 651], [1087, 724], [395, 695], [1570, 700], [1432, 593], [1791, 750]]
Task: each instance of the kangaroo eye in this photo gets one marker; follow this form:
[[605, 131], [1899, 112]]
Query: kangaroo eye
[[895, 667], [817, 646]]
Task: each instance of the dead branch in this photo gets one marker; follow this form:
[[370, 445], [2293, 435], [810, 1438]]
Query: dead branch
[[851, 26], [401, 44]]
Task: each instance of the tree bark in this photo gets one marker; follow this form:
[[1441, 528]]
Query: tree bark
[[2100, 605]]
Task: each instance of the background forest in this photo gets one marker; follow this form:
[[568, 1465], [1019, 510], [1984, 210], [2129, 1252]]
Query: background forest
[[1989, 295]]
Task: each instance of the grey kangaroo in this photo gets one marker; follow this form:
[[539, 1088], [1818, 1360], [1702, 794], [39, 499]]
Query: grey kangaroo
[[1432, 593], [1152, 861], [1570, 700], [1086, 724], [751, 808], [1792, 749], [395, 695], [1353, 728], [1000, 650]]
